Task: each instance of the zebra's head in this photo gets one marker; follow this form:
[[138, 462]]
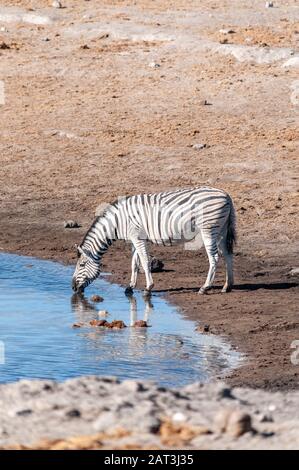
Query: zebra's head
[[87, 270]]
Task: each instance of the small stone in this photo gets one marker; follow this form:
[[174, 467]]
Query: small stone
[[203, 328], [99, 323], [85, 46], [199, 146], [116, 324], [77, 325], [140, 324], [269, 5], [154, 65], [223, 41], [71, 224], [226, 31], [239, 423], [179, 417], [96, 298], [25, 412], [103, 313], [156, 265], [3, 45], [233, 422], [294, 272], [264, 418], [272, 407], [56, 4], [74, 413]]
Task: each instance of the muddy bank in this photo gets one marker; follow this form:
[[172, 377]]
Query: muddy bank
[[91, 118], [138, 414]]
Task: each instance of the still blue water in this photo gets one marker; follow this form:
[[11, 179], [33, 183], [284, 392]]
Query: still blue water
[[38, 309]]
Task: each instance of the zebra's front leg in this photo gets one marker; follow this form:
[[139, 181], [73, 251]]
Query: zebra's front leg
[[135, 267], [141, 249]]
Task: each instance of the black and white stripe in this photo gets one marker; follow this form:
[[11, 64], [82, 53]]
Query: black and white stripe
[[167, 218]]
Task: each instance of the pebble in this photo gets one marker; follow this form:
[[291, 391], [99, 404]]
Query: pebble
[[203, 328], [226, 31], [154, 65], [98, 323], [71, 224], [3, 45], [56, 4], [294, 272], [140, 324], [199, 146], [77, 325], [103, 313], [233, 422], [96, 298], [269, 5], [179, 417]]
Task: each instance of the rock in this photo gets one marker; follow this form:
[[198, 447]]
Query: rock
[[103, 313], [179, 417], [3, 45], [264, 418], [116, 324], [25, 412], [56, 4], [99, 323], [156, 265], [96, 298], [77, 325], [233, 422], [71, 224], [292, 62], [203, 328], [73, 413], [154, 65], [140, 324], [269, 5], [294, 272], [226, 31], [199, 146]]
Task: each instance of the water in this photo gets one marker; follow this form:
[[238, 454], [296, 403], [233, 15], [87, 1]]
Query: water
[[37, 311]]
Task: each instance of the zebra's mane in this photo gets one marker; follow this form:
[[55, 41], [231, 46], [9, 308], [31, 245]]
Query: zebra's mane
[[102, 214]]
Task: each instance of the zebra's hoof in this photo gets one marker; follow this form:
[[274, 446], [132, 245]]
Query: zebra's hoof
[[146, 293], [225, 290], [203, 290], [129, 291]]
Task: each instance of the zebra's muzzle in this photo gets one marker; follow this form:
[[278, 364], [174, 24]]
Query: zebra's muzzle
[[77, 289]]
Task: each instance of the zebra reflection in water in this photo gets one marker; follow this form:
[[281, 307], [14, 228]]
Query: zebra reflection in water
[[138, 342]]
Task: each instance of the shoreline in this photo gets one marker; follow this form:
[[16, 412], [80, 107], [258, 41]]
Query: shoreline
[[208, 309]]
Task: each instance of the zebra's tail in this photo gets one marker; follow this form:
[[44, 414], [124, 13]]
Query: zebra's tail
[[231, 236]]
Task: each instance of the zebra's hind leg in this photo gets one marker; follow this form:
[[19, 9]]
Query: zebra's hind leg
[[228, 258], [141, 250], [210, 242]]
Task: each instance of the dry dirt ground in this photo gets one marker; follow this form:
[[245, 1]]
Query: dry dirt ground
[[101, 99]]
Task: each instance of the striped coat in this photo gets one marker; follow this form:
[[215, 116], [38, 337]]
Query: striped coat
[[194, 216]]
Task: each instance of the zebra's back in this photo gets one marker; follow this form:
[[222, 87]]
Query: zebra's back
[[177, 216]]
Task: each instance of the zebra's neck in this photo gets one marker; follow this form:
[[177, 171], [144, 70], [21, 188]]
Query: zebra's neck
[[102, 233]]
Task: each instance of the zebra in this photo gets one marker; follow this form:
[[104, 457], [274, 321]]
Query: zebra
[[166, 218]]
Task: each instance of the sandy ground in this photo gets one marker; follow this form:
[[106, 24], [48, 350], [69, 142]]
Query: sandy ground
[[103, 413], [103, 99]]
